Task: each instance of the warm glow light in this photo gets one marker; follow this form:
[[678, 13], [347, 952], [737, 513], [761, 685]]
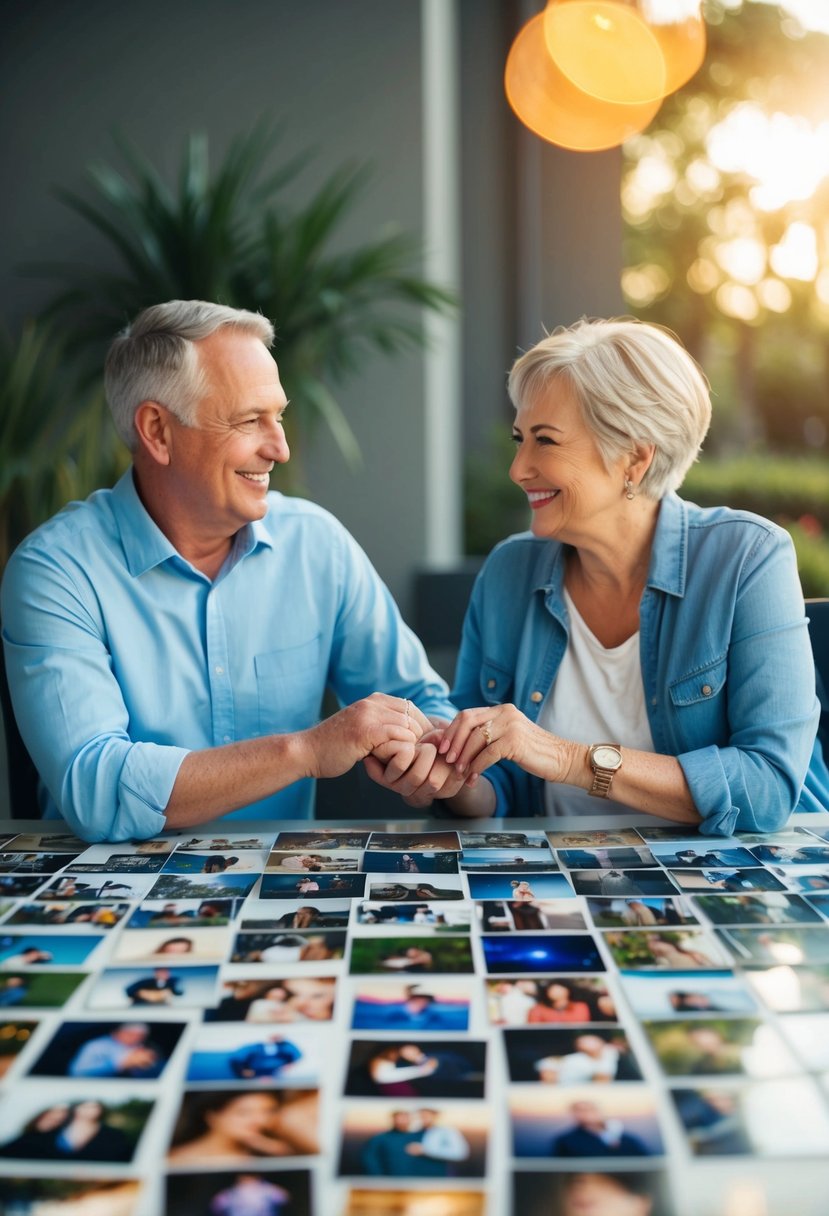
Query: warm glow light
[[605, 49], [796, 256], [702, 276], [744, 259], [774, 295], [551, 106], [741, 303], [644, 284], [786, 156]]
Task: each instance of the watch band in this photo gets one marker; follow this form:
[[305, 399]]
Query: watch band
[[602, 781], [602, 774]]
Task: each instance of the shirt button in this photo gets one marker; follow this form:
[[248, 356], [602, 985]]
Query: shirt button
[[220, 671], [537, 696], [707, 690], [490, 683]]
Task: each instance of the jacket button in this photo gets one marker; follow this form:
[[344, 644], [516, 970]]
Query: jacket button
[[490, 683], [707, 690], [536, 697]]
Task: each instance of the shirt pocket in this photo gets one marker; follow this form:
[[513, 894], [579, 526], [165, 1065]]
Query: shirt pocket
[[700, 706], [703, 686], [496, 683], [290, 683]]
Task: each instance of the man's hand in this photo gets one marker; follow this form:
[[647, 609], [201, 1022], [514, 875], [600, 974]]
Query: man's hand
[[378, 721], [417, 772]]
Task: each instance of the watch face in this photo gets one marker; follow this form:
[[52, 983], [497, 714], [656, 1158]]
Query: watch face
[[607, 757]]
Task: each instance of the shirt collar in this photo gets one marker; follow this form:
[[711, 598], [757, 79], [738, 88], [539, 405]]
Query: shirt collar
[[146, 546]]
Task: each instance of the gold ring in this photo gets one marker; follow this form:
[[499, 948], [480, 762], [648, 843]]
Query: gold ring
[[486, 731]]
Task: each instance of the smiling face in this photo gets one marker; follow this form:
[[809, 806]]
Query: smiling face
[[557, 464]]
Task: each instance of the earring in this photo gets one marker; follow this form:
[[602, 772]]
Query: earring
[[630, 489]]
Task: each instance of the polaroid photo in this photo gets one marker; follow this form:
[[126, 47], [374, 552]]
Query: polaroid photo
[[436, 915], [629, 858], [185, 914], [390, 1140], [411, 862], [409, 1006], [653, 912], [401, 1068], [504, 840], [638, 1192], [417, 1202], [550, 1000], [703, 855], [321, 838], [14, 1036], [201, 886], [215, 1126], [118, 859], [622, 882], [243, 861], [564, 1056], [534, 916], [33, 863], [791, 855], [248, 1192], [312, 886], [274, 1002], [719, 1046], [190, 947], [596, 1121], [596, 838], [793, 836], [787, 989], [414, 842], [811, 881], [553, 952], [777, 1118], [77, 1127], [820, 902], [38, 989], [148, 988], [94, 885], [259, 1055], [13, 886], [419, 892], [761, 908], [288, 946], [341, 861], [677, 994], [668, 949], [272, 915], [108, 1051], [529, 887], [508, 861], [79, 915], [26, 1195], [225, 844], [45, 842], [759, 879], [775, 945], [24, 950], [411, 955]]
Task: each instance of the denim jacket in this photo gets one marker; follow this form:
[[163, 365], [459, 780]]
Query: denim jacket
[[725, 656]]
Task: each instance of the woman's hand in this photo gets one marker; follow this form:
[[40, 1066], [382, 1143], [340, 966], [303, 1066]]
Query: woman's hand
[[480, 737], [418, 774]]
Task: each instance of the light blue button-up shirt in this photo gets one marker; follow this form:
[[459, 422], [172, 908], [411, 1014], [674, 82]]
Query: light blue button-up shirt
[[122, 657], [726, 663]]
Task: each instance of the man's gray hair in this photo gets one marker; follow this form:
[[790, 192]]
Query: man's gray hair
[[154, 359], [635, 384]]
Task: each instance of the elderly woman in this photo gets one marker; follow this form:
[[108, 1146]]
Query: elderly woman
[[633, 651]]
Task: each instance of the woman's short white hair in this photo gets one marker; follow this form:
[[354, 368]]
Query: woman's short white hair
[[635, 384], [154, 359]]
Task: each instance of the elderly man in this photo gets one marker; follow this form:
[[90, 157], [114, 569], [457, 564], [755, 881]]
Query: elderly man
[[169, 641]]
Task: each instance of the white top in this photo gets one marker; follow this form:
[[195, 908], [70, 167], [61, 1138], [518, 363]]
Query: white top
[[597, 697]]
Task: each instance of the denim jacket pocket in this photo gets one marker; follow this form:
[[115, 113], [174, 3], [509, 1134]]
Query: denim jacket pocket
[[496, 683], [702, 686]]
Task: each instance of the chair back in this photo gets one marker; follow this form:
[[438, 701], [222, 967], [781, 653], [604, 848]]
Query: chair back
[[22, 778], [817, 611]]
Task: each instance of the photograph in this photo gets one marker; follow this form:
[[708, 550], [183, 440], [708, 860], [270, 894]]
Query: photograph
[[214, 861], [23, 950], [508, 860], [504, 840], [98, 886], [792, 855], [788, 989], [311, 862], [245, 1192], [390, 1141], [778, 1119], [595, 838], [13, 886], [657, 994], [208, 945], [221, 1126], [414, 842], [674, 949], [534, 916], [622, 882], [321, 838], [439, 1005], [284, 947], [14, 1035], [590, 1056], [312, 886], [553, 952], [187, 913], [633, 913], [630, 858], [30, 1196], [225, 844], [46, 842], [74, 1128], [381, 1201], [585, 1193], [32, 863], [443, 889], [38, 989], [171, 987], [757, 879], [808, 1035], [776, 945], [612, 1121], [410, 955], [109, 1050], [816, 880], [762, 908], [550, 999], [709, 853], [295, 914], [108, 862], [410, 862], [816, 899], [244, 1052], [228, 885], [718, 1047], [437, 916], [529, 887], [439, 1068], [97, 916], [274, 1001]]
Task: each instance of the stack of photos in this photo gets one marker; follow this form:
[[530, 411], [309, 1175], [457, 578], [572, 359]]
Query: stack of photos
[[415, 1022]]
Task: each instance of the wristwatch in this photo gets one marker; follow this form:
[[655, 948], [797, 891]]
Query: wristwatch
[[605, 759]]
